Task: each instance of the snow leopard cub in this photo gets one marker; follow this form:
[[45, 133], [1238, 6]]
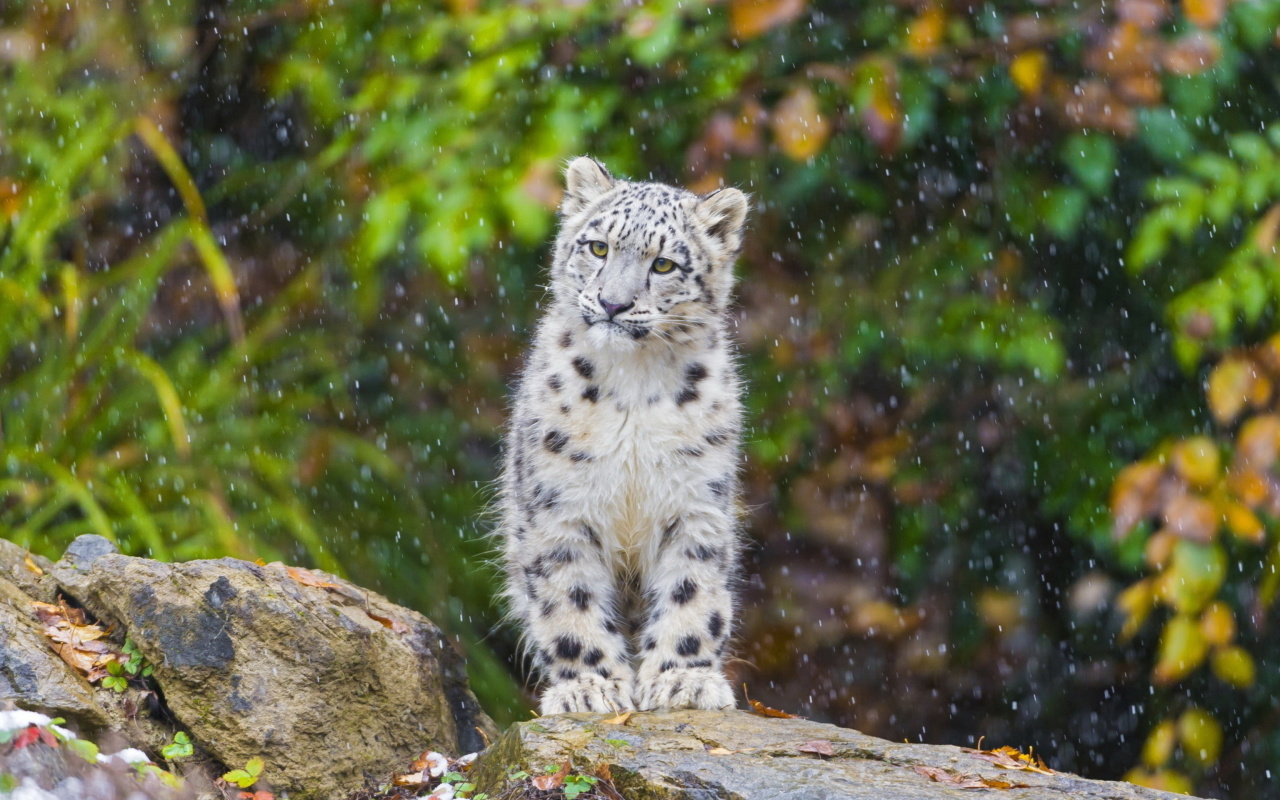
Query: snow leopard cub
[[619, 494]]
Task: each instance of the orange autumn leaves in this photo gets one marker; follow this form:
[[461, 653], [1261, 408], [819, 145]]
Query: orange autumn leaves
[[1204, 497]]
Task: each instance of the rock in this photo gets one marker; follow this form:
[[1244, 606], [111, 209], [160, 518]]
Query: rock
[[86, 549], [328, 682], [704, 755], [16, 566], [32, 675]]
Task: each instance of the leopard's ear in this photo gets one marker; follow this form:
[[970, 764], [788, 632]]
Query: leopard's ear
[[724, 212], [585, 179]]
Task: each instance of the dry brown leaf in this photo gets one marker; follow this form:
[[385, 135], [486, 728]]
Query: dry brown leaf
[[74, 640], [1012, 758], [308, 577], [765, 711], [821, 747], [394, 624], [553, 781], [31, 565], [621, 719], [964, 781], [409, 779]]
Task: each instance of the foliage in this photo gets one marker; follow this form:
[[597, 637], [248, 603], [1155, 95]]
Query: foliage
[[267, 268]]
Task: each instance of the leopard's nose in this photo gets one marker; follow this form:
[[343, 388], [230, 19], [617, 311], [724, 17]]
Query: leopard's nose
[[614, 309]]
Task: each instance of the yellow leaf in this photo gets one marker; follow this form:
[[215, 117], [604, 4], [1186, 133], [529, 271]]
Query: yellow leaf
[[1234, 666], [1218, 624], [1244, 524], [749, 18], [621, 719], [1193, 577], [1166, 780], [1197, 460], [1028, 69], [1159, 548], [1201, 735], [799, 127], [1181, 650], [1136, 602], [1159, 745], [1133, 495], [925, 32], [1204, 13], [1230, 386]]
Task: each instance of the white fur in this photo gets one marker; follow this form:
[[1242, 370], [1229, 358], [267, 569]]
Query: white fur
[[621, 432]]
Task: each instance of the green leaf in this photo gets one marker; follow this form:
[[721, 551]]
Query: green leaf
[[1063, 210], [254, 767], [1091, 158], [1164, 135], [83, 748], [239, 778]]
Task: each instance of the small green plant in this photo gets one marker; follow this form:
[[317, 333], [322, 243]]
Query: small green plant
[[576, 784], [180, 747], [244, 778], [137, 665]]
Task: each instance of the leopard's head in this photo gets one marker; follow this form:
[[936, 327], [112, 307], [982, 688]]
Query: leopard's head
[[644, 262]]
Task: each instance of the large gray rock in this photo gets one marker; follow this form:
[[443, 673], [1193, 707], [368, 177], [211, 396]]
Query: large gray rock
[[32, 676], [324, 680], [709, 755], [25, 570]]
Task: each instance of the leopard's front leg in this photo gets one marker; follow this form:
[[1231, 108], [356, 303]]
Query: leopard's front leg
[[572, 621], [690, 589]]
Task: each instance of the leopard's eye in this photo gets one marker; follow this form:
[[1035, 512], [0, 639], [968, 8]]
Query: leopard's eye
[[663, 265], [598, 249]]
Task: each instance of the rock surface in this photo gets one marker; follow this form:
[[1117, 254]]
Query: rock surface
[[733, 755], [32, 675], [330, 684]]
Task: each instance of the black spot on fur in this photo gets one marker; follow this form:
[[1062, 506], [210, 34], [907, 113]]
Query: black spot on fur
[[591, 535], [686, 395], [611, 626], [548, 608], [568, 648], [701, 663], [594, 657], [584, 367], [689, 646], [556, 440], [695, 372], [563, 555], [556, 383], [653, 399], [579, 456], [564, 408], [591, 393], [568, 674], [702, 552], [649, 643], [521, 532], [717, 437], [667, 666], [716, 626], [604, 672], [566, 339], [684, 592], [668, 533], [719, 488], [692, 452], [580, 596]]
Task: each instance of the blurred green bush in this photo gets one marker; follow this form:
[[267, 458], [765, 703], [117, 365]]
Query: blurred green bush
[[267, 268]]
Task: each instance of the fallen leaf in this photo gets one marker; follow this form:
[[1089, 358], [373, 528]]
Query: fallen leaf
[[31, 734], [394, 624], [621, 719], [1012, 758], [410, 779], [31, 565], [432, 764], [965, 781], [719, 751], [308, 577], [820, 746], [763, 710], [553, 781]]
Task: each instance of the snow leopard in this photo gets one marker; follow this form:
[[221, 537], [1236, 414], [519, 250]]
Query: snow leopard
[[619, 498]]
